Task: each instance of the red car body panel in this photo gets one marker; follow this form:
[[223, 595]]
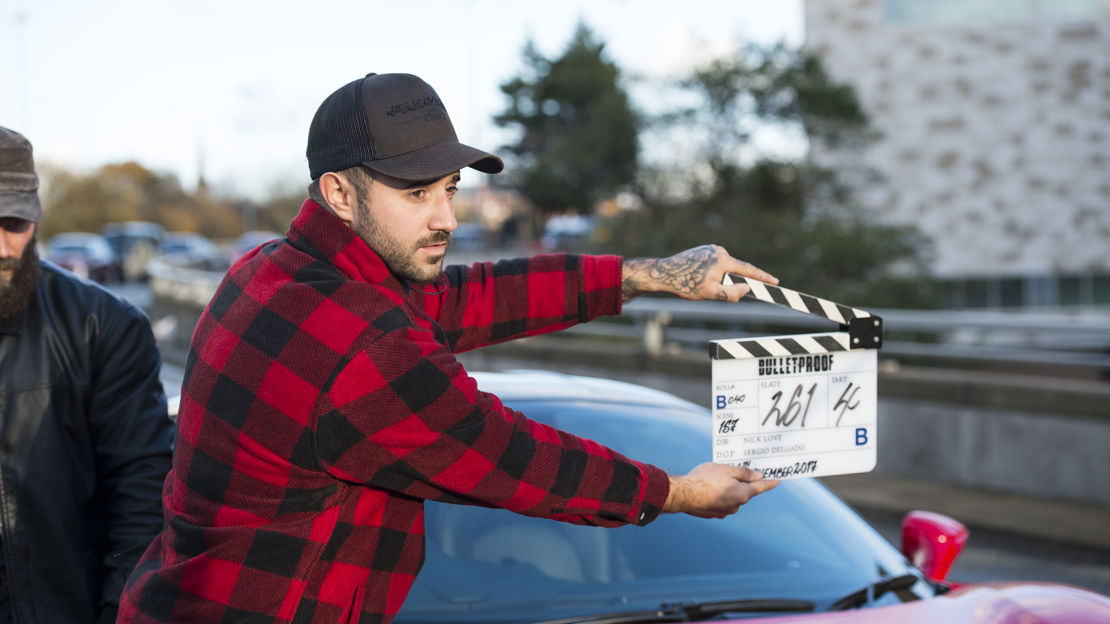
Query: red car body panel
[[996, 603]]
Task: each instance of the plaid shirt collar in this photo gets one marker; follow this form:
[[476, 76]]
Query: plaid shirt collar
[[323, 235]]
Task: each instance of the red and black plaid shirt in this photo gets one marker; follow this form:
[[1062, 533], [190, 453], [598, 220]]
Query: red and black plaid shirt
[[322, 404]]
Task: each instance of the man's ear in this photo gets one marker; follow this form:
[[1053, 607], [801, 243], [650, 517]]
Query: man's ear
[[340, 195]]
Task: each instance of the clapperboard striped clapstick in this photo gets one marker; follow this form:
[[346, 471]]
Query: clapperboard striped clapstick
[[859, 329]]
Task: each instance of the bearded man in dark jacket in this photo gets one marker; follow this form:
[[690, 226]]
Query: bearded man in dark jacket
[[85, 441]]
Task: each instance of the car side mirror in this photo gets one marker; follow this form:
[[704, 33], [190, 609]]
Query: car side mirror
[[932, 541]]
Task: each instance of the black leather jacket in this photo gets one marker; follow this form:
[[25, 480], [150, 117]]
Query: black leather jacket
[[85, 445]]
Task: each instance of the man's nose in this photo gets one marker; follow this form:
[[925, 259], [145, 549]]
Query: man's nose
[[443, 217]]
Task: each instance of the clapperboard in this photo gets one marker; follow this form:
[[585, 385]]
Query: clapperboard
[[801, 405]]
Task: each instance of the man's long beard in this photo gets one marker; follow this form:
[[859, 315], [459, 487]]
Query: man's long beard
[[16, 291]]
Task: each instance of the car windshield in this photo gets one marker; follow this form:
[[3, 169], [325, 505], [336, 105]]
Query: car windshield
[[80, 247], [71, 248], [176, 246], [183, 245], [796, 542]]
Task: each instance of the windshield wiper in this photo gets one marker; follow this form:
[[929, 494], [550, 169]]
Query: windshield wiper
[[626, 617], [698, 611], [873, 591], [693, 611]]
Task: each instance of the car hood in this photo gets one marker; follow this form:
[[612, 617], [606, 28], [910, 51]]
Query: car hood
[[996, 603]]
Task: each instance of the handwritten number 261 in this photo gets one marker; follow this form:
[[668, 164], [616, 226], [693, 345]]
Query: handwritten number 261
[[785, 418]]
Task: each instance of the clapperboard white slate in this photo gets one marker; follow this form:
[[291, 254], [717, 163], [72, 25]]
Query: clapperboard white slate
[[801, 405]]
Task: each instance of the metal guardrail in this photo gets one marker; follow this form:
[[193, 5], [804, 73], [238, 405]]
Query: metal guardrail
[[1079, 340], [1091, 325], [1075, 341], [181, 285]]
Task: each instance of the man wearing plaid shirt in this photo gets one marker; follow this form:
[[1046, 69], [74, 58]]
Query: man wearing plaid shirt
[[322, 401]]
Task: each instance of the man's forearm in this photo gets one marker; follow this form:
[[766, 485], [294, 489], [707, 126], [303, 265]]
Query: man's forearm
[[678, 500]]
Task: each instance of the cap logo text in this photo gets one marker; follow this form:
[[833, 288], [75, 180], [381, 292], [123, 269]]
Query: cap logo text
[[403, 108]]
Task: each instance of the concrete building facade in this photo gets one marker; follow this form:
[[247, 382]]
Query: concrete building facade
[[994, 136]]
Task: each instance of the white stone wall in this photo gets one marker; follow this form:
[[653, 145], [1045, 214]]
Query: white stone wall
[[995, 137]]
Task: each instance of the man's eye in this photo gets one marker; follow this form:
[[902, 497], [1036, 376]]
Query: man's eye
[[15, 225], [452, 189], [418, 193]]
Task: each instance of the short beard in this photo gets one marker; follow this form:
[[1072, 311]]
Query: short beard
[[16, 293], [401, 261]]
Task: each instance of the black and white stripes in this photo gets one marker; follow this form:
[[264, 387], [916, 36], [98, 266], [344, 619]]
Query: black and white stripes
[[862, 330], [779, 346], [806, 304]]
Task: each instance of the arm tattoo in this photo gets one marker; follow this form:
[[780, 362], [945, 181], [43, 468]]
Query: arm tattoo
[[681, 274]]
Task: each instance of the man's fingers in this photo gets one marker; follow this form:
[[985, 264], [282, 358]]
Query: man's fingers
[[763, 485], [733, 292], [745, 474], [748, 269], [714, 490], [754, 479]]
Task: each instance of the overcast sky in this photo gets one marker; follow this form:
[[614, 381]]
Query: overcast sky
[[231, 85]]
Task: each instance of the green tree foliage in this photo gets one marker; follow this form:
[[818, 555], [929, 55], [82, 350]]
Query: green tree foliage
[[578, 132], [119, 192], [129, 192], [796, 220]]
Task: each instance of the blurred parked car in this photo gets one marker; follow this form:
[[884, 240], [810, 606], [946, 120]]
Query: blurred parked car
[[191, 250], [468, 237], [567, 233], [797, 554], [249, 240], [86, 254], [135, 244]]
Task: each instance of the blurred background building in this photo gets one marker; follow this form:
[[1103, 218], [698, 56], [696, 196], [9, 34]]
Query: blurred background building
[[994, 136]]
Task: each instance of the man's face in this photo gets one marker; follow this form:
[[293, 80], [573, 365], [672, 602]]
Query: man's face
[[15, 235], [408, 224], [18, 264]]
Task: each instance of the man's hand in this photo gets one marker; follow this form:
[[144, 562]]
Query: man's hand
[[693, 274], [715, 490]]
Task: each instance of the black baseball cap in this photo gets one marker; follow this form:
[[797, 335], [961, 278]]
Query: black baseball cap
[[19, 185], [393, 124]]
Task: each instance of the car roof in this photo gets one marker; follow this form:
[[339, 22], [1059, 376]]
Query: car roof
[[537, 385], [70, 238], [526, 384], [141, 228], [259, 235]]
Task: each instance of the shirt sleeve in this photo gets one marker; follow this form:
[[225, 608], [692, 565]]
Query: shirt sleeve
[[405, 417], [487, 303]]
